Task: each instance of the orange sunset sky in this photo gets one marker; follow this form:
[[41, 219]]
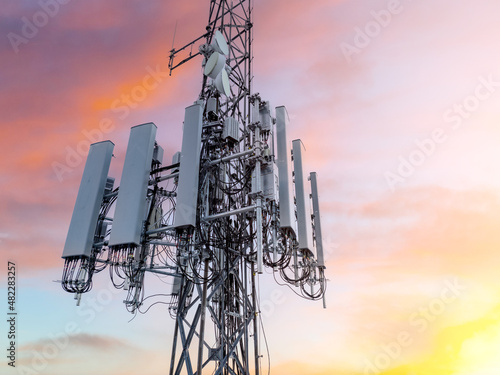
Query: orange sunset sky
[[398, 106]]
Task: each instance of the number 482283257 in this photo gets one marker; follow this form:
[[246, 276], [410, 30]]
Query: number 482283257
[[11, 283]]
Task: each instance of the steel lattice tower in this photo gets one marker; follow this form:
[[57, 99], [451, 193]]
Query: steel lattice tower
[[225, 208], [231, 290]]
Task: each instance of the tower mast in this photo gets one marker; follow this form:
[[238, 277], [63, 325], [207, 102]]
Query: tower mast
[[226, 292]]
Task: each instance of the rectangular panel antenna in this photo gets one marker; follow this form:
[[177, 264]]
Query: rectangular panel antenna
[[302, 198], [269, 177], [187, 190], [83, 223], [265, 116], [131, 204], [317, 220], [269, 181], [254, 110], [287, 213]]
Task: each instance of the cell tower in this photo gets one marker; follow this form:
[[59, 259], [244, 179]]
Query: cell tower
[[227, 206]]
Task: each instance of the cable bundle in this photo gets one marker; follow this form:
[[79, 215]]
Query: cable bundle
[[77, 274]]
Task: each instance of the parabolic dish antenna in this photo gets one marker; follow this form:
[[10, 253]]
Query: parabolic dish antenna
[[222, 83], [214, 65], [219, 44]]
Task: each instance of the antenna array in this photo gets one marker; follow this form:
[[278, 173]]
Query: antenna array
[[233, 201]]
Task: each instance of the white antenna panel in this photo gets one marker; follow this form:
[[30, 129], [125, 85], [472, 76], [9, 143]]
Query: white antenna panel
[[317, 220], [187, 190], [287, 214], [302, 199], [131, 203], [83, 223], [265, 116]]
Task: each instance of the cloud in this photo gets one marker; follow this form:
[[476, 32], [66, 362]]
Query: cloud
[[84, 341], [60, 354]]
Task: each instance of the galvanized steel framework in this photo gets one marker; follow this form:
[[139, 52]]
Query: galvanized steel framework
[[230, 296]]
